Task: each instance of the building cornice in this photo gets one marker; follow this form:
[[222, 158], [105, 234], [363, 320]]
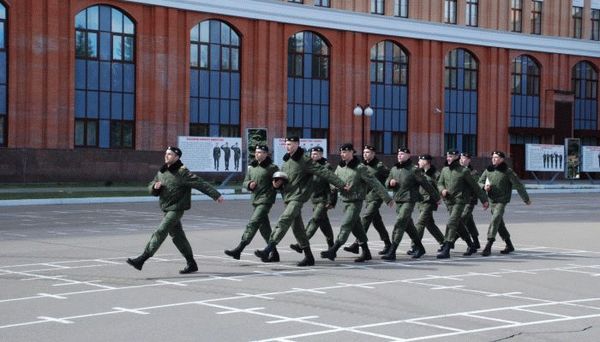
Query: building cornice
[[290, 13]]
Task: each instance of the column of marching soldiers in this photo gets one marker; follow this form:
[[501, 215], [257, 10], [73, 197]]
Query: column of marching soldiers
[[354, 182]]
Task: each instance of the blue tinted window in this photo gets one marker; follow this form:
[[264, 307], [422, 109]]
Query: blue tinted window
[[105, 74], [308, 85], [214, 79]]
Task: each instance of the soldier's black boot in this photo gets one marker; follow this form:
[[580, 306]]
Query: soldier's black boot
[[366, 254], [470, 247], [308, 260], [296, 247], [386, 247], [509, 247], [236, 252], [476, 242], [274, 256], [263, 254], [391, 254], [191, 266], [329, 243], [138, 262], [353, 248], [418, 250], [331, 253], [445, 252], [488, 248]]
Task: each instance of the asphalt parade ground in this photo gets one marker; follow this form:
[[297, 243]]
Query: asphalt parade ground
[[63, 277]]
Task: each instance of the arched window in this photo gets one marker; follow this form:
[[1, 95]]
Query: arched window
[[525, 93], [389, 96], [525, 98], [3, 77], [104, 78], [214, 80], [460, 101], [308, 86], [585, 87]]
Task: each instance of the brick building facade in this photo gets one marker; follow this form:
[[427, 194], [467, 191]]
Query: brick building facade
[[433, 82]]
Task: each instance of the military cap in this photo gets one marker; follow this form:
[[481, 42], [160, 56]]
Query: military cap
[[452, 152], [369, 147], [293, 139], [263, 148], [466, 155], [499, 153], [426, 157], [347, 147], [175, 150], [404, 150], [316, 149], [280, 175]]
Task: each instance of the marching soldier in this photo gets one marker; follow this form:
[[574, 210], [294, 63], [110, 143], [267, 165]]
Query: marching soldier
[[358, 178], [322, 199], [371, 213], [498, 180], [173, 185], [456, 185], [428, 204], [299, 169], [467, 215], [404, 179], [258, 181]]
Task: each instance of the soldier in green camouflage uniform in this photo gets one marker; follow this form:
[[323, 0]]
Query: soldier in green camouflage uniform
[[467, 215], [498, 180], [173, 185], [359, 181], [371, 212], [427, 205], [404, 180], [258, 181], [297, 189], [322, 199], [456, 186]]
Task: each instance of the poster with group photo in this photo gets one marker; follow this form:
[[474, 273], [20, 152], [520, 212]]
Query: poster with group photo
[[279, 148], [541, 157], [590, 158], [211, 154]]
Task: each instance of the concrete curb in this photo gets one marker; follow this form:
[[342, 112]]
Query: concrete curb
[[230, 194]]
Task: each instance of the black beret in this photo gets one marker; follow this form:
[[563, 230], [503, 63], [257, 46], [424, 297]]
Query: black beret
[[316, 149], [404, 150], [499, 153], [425, 157], [175, 150], [369, 147], [263, 148], [452, 152], [347, 147], [293, 139], [466, 154]]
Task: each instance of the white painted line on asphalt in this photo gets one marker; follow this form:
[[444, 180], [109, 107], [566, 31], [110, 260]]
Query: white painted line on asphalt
[[14, 234], [542, 313], [491, 319], [232, 310], [171, 283], [417, 321], [356, 285], [47, 295], [289, 319], [299, 289], [505, 294], [57, 320], [108, 262], [139, 312], [247, 295], [447, 287]]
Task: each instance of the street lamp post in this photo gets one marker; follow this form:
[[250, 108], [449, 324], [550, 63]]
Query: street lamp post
[[363, 112]]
